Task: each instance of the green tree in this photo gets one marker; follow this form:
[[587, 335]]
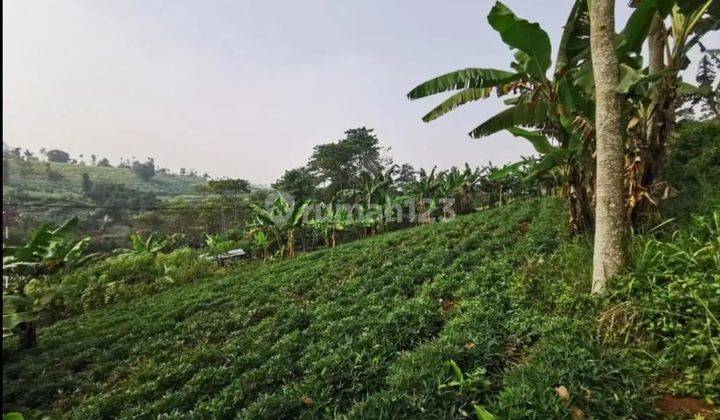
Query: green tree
[[299, 183], [58, 156], [338, 165], [144, 170]]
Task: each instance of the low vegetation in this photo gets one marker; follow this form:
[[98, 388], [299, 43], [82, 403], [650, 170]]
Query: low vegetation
[[375, 328]]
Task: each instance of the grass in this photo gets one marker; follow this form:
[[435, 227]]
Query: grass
[[34, 180]]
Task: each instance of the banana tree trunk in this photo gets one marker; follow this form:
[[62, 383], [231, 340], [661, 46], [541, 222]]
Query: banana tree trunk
[[649, 152], [291, 243], [580, 200]]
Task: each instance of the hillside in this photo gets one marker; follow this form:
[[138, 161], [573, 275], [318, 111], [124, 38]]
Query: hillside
[[367, 330], [33, 181]]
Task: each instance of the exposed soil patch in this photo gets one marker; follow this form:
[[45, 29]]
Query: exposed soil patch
[[524, 227], [686, 407], [448, 304]]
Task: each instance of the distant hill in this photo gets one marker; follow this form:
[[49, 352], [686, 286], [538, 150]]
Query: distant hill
[[34, 182]]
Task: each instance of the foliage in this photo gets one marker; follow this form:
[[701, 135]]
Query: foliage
[[693, 169], [299, 183], [707, 96], [219, 244], [122, 277], [35, 180], [359, 331], [115, 198], [338, 164], [48, 251], [674, 285], [145, 170], [153, 244], [229, 186], [57, 156]]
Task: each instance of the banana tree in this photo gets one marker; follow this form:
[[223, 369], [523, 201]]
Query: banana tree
[[654, 93], [562, 108], [152, 244], [331, 220], [425, 193], [555, 108], [283, 219], [48, 251]]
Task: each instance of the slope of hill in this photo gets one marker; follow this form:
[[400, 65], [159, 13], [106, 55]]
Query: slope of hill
[[366, 330], [34, 182]]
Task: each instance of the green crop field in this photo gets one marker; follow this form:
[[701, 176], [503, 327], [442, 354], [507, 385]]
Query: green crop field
[[368, 330]]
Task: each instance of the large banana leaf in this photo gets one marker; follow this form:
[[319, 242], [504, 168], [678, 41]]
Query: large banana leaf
[[548, 162], [12, 320], [575, 39], [524, 36], [522, 114], [67, 227], [474, 78], [457, 100], [539, 141]]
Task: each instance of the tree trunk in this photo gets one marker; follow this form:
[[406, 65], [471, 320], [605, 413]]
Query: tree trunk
[[580, 198], [609, 252], [26, 333]]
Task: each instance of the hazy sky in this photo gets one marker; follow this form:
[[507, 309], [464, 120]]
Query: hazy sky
[[247, 88]]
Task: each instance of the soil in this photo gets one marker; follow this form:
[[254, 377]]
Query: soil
[[684, 407]]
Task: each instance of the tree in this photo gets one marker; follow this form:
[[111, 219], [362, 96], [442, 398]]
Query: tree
[[281, 219], [707, 96], [229, 187], [610, 227], [144, 170], [104, 163], [58, 156], [339, 164], [86, 183], [300, 183], [48, 251]]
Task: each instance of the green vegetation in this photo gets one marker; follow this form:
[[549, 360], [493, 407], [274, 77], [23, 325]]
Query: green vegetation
[[31, 178], [365, 330], [490, 311], [487, 315]]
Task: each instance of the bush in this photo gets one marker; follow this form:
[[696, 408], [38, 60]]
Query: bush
[[120, 278]]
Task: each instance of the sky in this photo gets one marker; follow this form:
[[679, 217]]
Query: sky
[[246, 88]]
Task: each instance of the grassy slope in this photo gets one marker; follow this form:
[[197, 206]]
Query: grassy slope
[[363, 331], [35, 182]]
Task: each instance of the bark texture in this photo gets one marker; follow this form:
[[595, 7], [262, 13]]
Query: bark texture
[[610, 225]]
